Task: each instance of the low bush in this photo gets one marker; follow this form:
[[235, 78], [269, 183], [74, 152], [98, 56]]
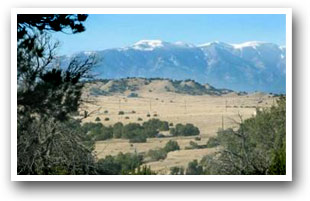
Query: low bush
[[197, 138], [171, 146], [138, 139], [194, 145], [213, 142], [177, 170], [160, 154], [172, 131], [156, 155], [133, 95], [121, 113]]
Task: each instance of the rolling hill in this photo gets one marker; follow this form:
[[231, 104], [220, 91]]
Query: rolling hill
[[134, 87]]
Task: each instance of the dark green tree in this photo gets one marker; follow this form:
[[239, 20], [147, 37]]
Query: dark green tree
[[108, 166], [184, 130], [47, 96], [157, 154], [177, 170], [194, 168], [256, 148], [131, 130], [117, 130], [145, 170], [171, 146]]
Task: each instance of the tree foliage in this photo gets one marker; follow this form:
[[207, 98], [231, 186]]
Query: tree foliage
[[257, 147], [157, 154], [177, 170], [133, 131], [194, 168], [47, 97], [144, 170], [160, 154], [117, 130], [156, 124], [120, 164], [212, 142], [171, 146], [184, 130]]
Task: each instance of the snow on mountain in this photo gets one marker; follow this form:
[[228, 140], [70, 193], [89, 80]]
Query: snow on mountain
[[249, 66], [148, 45], [183, 44], [252, 44]]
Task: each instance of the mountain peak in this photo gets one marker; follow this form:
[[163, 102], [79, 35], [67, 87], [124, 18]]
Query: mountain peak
[[215, 43], [149, 42], [183, 44], [148, 45], [253, 44]]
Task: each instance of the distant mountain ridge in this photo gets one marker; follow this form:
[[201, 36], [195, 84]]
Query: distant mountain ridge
[[250, 66]]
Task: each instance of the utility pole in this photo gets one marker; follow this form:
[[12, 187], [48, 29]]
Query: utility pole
[[185, 106], [119, 104], [222, 122], [226, 105], [150, 105]]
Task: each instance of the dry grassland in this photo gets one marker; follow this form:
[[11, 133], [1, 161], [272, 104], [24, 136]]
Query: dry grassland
[[208, 113], [179, 158]]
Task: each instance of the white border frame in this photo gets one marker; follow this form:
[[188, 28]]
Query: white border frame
[[286, 11]]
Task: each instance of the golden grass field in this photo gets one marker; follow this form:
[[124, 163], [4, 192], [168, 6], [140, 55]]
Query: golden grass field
[[208, 113]]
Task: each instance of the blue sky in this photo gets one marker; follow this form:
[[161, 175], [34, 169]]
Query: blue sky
[[112, 31]]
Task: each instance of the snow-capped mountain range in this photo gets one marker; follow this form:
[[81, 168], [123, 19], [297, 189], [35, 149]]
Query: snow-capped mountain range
[[250, 66]]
